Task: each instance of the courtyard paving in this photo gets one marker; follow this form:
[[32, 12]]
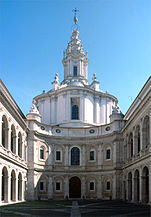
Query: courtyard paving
[[80, 208]]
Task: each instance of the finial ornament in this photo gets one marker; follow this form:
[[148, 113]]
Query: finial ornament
[[75, 17]]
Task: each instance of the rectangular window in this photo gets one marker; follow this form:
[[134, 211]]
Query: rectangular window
[[58, 156], [91, 186], [58, 187], [91, 155], [75, 71], [108, 154], [108, 186], [41, 186]]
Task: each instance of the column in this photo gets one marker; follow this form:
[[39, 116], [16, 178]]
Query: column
[[50, 189], [99, 188], [66, 187], [83, 188]]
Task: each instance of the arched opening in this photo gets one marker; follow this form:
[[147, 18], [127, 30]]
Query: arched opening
[[19, 145], [75, 156], [129, 186], [137, 140], [13, 139], [19, 186], [145, 131], [13, 186], [145, 185], [130, 145], [75, 187], [4, 185], [4, 132], [136, 186]]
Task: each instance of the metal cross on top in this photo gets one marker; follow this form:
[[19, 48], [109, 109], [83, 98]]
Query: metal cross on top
[[75, 13]]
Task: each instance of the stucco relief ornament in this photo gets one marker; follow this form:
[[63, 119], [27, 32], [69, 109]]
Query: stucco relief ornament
[[34, 108], [116, 109]]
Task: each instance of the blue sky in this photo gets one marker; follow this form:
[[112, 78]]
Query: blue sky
[[34, 33]]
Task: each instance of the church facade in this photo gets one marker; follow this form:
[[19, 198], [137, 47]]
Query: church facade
[[75, 142]]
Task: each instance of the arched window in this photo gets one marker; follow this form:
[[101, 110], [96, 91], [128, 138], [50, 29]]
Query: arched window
[[19, 145], [75, 112], [4, 132], [42, 153], [75, 156], [13, 139]]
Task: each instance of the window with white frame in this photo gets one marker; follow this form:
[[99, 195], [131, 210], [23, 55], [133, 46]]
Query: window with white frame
[[58, 186], [108, 185], [42, 153], [58, 156], [108, 154], [92, 186]]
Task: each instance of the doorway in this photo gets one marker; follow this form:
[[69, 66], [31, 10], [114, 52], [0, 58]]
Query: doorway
[[75, 187]]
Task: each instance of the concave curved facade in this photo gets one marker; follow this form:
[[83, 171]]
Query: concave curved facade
[[75, 131]]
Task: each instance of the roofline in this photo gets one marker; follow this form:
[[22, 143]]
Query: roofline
[[20, 111], [137, 96]]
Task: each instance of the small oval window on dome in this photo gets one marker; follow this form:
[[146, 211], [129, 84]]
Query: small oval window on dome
[[92, 131], [107, 128], [58, 131], [42, 127]]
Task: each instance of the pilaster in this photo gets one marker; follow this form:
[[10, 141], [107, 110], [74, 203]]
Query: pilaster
[[66, 184], [83, 188], [100, 156], [99, 188], [50, 189]]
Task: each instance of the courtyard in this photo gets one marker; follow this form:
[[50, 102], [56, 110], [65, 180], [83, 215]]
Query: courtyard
[[80, 208]]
